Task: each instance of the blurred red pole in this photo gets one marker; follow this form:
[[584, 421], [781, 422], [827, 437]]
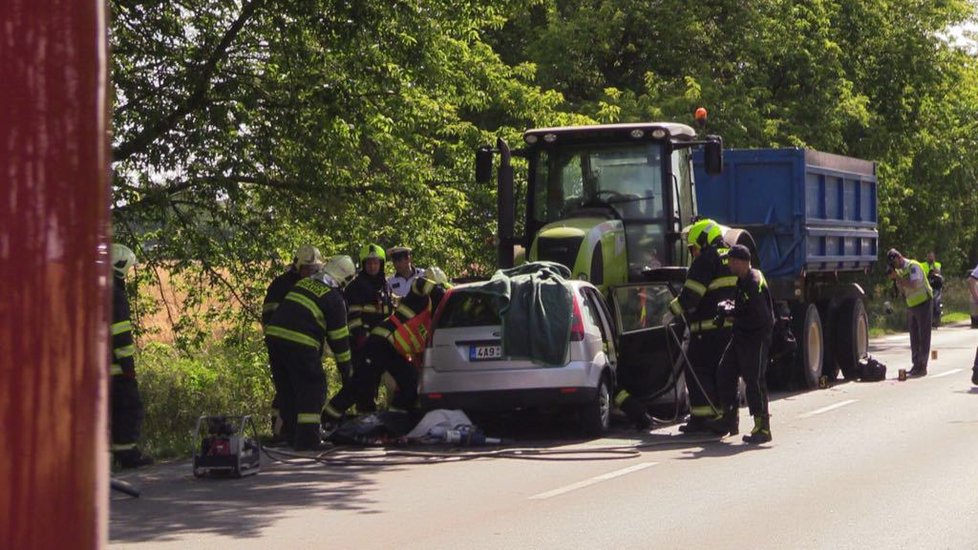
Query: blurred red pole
[[54, 216]]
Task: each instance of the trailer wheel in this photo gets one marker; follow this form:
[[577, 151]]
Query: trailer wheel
[[852, 337], [811, 341]]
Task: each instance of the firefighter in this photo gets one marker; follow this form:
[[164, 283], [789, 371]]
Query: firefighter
[[127, 406], [910, 279], [708, 282], [394, 346], [404, 271], [307, 261], [932, 271], [311, 314], [746, 356], [369, 301]]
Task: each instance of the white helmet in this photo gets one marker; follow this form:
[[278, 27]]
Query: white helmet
[[436, 275], [122, 259], [341, 269], [307, 255]]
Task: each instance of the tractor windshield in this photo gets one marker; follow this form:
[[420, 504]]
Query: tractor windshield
[[625, 181]]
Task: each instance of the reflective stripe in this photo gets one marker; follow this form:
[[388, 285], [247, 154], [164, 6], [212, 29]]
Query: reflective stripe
[[308, 304], [695, 286], [338, 333], [356, 323], [355, 308], [383, 332], [115, 370], [372, 309], [723, 282], [675, 307], [405, 311], [307, 418], [124, 351], [621, 397], [703, 411], [701, 326], [122, 446], [269, 307], [344, 357], [292, 336], [332, 412], [120, 327]]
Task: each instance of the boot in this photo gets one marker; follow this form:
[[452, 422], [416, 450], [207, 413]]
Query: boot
[[132, 458], [974, 376], [761, 432], [728, 423], [307, 438], [634, 409], [697, 425]]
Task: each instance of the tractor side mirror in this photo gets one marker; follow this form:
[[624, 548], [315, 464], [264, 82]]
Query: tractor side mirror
[[483, 164], [713, 155]]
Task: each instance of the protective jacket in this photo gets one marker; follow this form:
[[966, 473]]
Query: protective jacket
[[369, 301], [408, 327], [708, 282], [753, 309], [276, 292], [312, 313], [912, 271], [122, 343]]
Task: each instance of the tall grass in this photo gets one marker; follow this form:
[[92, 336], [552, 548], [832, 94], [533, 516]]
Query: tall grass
[[956, 300]]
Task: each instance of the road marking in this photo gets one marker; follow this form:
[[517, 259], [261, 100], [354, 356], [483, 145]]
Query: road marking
[[593, 480], [948, 373], [827, 409]]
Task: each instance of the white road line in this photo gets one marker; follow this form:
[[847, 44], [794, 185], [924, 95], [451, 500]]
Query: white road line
[[827, 409], [948, 373], [593, 480]]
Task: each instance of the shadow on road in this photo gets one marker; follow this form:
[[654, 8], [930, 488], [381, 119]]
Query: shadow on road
[[174, 503]]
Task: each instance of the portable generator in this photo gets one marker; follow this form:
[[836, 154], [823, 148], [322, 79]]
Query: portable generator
[[226, 446]]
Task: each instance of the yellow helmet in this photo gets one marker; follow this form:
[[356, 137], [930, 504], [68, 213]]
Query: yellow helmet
[[372, 251], [703, 233], [123, 259]]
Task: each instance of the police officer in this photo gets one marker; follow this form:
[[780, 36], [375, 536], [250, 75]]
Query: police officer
[[973, 291], [393, 346], [746, 356], [127, 405], [932, 271], [404, 271], [312, 313], [910, 279], [369, 301], [708, 282], [307, 261]]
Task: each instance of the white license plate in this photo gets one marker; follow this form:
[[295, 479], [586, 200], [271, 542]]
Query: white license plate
[[488, 352]]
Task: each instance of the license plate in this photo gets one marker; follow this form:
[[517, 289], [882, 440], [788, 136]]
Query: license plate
[[485, 352]]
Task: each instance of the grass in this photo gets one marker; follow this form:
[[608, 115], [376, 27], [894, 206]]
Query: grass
[[956, 300]]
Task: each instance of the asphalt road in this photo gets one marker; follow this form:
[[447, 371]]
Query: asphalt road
[[858, 465]]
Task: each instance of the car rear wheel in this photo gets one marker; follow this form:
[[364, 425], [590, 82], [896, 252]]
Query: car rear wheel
[[596, 415]]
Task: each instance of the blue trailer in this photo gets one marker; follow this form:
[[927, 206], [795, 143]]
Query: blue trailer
[[813, 217]]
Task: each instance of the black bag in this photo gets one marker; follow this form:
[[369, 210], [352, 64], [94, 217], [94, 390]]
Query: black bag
[[871, 370]]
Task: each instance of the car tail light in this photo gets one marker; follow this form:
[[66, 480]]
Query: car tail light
[[436, 316], [577, 323]]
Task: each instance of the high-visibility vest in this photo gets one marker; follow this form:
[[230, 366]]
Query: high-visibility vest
[[919, 295], [408, 337]]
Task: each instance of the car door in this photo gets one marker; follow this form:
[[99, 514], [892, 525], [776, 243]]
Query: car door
[[648, 352], [605, 324]]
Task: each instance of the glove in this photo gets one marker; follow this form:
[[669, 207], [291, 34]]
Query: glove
[[667, 318]]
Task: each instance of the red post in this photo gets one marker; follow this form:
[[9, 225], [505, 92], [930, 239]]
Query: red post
[[54, 196]]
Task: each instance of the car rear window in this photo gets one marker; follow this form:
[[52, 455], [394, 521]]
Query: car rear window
[[469, 309]]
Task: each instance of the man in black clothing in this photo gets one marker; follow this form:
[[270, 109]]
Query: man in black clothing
[[127, 406], [369, 301], [306, 262], [747, 354], [311, 313], [708, 282]]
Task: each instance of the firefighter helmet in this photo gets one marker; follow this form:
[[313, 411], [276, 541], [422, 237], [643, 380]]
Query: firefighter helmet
[[122, 259], [372, 251], [703, 233], [437, 275], [307, 255], [341, 269]]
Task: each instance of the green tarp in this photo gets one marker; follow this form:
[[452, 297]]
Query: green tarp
[[535, 304]]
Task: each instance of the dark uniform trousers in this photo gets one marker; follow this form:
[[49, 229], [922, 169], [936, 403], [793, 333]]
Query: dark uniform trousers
[[919, 320], [366, 398], [280, 355], [380, 356], [704, 353], [127, 410], [746, 356]]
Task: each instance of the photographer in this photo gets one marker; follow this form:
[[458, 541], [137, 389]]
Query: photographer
[[908, 275]]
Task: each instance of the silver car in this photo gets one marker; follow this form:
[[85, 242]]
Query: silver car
[[464, 366]]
